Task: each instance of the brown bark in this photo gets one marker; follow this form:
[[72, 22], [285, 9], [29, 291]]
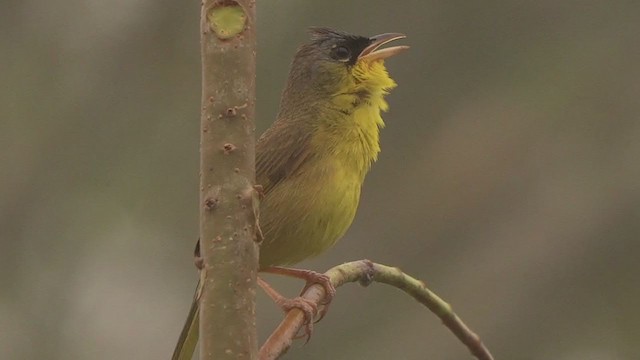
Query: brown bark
[[228, 203]]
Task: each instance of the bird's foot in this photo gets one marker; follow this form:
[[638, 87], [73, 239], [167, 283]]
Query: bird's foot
[[311, 277], [308, 307], [259, 190], [329, 291], [197, 257]]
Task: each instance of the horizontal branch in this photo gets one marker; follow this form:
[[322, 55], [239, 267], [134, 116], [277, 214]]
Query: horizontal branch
[[365, 272]]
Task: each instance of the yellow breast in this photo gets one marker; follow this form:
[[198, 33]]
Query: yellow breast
[[310, 210]]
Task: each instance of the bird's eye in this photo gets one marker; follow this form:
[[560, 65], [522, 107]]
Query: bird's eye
[[341, 53]]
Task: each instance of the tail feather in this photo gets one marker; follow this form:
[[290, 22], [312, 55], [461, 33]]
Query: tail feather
[[188, 339]]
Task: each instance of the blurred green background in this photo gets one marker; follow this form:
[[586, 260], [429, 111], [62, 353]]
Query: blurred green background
[[509, 178]]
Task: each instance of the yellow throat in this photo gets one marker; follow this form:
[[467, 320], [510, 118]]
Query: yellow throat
[[354, 136]]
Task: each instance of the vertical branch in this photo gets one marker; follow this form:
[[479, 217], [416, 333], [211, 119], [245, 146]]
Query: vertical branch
[[228, 203]]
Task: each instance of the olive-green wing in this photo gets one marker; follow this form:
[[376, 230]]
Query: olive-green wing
[[280, 152]]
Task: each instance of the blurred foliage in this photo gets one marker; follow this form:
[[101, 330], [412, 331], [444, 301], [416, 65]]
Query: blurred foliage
[[509, 179]]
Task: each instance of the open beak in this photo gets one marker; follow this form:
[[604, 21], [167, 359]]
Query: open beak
[[373, 51]]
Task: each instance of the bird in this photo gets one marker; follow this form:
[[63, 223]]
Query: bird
[[311, 163]]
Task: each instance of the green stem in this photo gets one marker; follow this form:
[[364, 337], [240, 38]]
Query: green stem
[[365, 271]]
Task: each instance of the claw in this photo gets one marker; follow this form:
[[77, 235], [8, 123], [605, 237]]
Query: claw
[[259, 190], [308, 307], [322, 312], [325, 281], [198, 260]]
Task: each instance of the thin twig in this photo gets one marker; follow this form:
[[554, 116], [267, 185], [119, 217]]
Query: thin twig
[[365, 272]]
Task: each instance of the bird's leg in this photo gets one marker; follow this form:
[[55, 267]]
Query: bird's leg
[[311, 277], [308, 307]]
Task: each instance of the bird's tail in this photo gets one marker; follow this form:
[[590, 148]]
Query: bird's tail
[[188, 339]]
